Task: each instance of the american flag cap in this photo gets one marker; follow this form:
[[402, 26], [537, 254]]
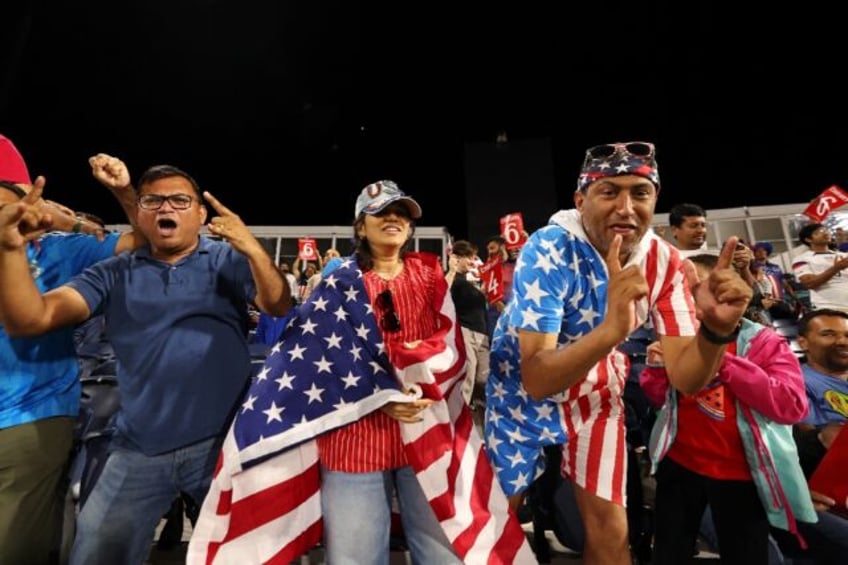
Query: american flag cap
[[619, 163], [380, 194]]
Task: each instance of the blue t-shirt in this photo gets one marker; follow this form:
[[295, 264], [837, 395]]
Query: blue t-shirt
[[827, 396], [39, 374], [270, 328], [180, 336]]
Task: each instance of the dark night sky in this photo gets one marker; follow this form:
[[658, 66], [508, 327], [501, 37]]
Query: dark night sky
[[313, 99]]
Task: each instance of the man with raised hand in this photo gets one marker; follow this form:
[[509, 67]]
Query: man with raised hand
[[176, 314], [39, 376], [582, 284]]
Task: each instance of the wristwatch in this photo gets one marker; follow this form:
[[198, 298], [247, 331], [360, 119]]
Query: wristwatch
[[717, 339]]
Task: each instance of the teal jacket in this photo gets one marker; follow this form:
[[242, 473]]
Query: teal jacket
[[766, 379]]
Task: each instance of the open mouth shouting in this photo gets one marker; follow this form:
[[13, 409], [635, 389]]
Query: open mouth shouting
[[166, 226]]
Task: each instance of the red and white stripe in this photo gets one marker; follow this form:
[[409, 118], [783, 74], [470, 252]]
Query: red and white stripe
[[271, 513]]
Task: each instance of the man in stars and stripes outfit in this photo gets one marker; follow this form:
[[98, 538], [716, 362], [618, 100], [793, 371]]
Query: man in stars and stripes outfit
[[582, 284]]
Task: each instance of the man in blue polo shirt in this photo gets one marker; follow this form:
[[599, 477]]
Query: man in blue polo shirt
[[176, 314], [39, 384]]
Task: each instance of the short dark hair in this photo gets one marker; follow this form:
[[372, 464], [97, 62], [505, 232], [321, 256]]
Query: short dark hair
[[806, 232], [463, 248], [158, 172], [804, 321], [499, 239], [685, 210]]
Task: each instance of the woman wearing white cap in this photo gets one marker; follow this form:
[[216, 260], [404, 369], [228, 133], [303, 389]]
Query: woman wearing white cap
[[364, 464]]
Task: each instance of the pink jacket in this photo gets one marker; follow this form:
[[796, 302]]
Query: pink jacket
[[768, 379]]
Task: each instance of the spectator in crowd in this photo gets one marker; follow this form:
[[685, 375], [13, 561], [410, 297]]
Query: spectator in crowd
[[822, 270], [294, 286], [303, 271], [40, 388], [471, 305], [176, 314], [330, 254], [367, 456], [364, 461], [704, 447], [840, 239], [823, 335], [377, 350], [97, 360], [761, 299], [330, 260], [688, 224], [584, 283], [497, 252], [784, 303]]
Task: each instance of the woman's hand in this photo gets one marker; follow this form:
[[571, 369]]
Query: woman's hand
[[654, 355], [407, 412]]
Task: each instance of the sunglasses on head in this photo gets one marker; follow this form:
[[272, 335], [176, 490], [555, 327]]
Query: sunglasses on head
[[640, 149], [389, 321]]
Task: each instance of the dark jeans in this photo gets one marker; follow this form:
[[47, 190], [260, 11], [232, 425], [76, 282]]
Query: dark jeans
[[682, 495], [117, 522]]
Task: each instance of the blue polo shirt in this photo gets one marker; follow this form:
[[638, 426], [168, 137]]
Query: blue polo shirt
[[39, 375], [180, 336]]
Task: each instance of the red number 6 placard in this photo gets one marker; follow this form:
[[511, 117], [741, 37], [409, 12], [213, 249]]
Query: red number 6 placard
[[512, 230], [307, 249]]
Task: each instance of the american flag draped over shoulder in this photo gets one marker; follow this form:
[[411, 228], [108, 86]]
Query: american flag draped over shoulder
[[329, 369]]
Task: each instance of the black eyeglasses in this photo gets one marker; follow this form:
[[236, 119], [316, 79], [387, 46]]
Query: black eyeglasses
[[155, 201], [641, 149], [389, 321]]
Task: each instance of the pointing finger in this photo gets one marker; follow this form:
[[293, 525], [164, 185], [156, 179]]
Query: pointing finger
[[612, 260], [726, 257], [220, 208], [35, 192]]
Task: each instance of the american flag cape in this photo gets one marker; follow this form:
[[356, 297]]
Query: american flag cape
[[329, 369]]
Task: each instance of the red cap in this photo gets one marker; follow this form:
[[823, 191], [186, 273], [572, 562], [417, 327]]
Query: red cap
[[12, 165]]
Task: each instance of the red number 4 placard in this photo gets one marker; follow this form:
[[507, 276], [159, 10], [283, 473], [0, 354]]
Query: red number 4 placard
[[491, 275]]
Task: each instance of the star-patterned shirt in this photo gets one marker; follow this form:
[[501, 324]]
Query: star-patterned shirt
[[560, 286]]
